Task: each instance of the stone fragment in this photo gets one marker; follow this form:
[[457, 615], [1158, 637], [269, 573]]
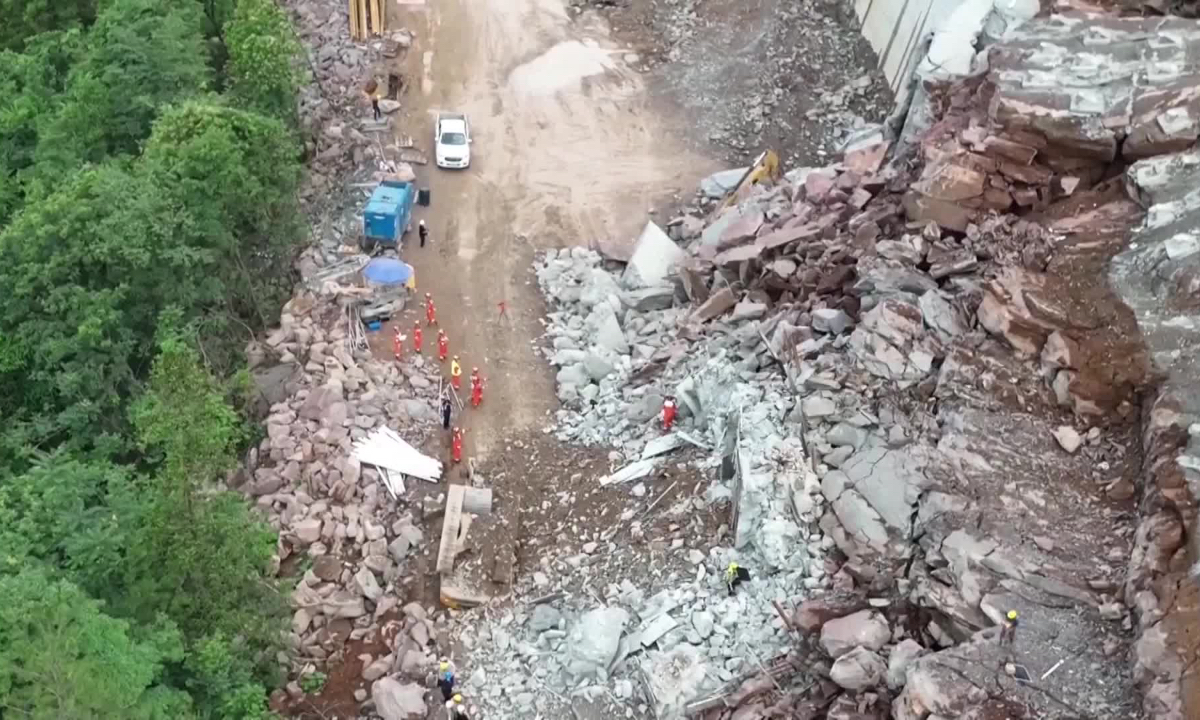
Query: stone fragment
[[1068, 439], [866, 628], [902, 656], [715, 306], [831, 320], [394, 701], [858, 669]]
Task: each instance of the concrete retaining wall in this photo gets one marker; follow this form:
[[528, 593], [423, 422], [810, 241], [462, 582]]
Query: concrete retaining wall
[[895, 29]]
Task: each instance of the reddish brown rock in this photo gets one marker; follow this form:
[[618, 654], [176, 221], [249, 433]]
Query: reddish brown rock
[[866, 160], [947, 215]]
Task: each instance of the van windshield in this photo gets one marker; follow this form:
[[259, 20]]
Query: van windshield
[[454, 138]]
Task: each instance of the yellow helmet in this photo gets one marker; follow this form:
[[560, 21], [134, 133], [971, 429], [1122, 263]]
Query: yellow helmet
[[445, 665], [1012, 614], [733, 567], [458, 699]]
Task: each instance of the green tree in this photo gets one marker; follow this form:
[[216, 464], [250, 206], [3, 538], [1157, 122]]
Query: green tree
[[203, 559], [23, 19], [247, 169], [263, 57], [30, 83], [62, 657], [142, 55]]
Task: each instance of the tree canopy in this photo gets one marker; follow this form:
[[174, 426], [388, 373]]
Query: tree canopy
[[149, 162]]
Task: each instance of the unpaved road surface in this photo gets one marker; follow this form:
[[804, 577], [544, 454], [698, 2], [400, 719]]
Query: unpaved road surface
[[567, 150]]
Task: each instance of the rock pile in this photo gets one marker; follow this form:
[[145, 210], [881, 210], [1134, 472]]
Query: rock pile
[[325, 505], [966, 378]]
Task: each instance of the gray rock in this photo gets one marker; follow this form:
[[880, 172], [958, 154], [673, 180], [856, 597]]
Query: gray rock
[[594, 639], [846, 434], [394, 701], [419, 410], [944, 319], [597, 367], [748, 310], [307, 531], [399, 548], [653, 258], [816, 406], [858, 669], [831, 320], [866, 628], [658, 297], [721, 182], [344, 604], [377, 669], [576, 374], [366, 583], [1068, 439], [703, 622], [902, 656], [544, 617], [609, 335]]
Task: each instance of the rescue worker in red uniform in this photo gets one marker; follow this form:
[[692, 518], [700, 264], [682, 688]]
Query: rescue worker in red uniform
[[456, 440], [398, 345], [476, 388], [430, 310], [443, 345], [668, 416], [418, 339]]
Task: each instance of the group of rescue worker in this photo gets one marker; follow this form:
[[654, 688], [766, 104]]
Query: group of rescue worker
[[455, 384]]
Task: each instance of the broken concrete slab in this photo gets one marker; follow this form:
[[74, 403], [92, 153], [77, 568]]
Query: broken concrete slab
[[653, 258], [716, 305]]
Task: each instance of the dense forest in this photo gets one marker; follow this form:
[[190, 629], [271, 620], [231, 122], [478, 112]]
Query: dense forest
[[149, 162]]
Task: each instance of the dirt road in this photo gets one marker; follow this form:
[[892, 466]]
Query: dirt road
[[567, 150]]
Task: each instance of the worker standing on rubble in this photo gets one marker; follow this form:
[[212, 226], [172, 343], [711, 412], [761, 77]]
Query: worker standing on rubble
[[476, 388], [1008, 629], [446, 408], [398, 345], [735, 575], [669, 409], [423, 232], [418, 340], [455, 708], [445, 680], [455, 374], [456, 440], [430, 310], [372, 91], [443, 345]]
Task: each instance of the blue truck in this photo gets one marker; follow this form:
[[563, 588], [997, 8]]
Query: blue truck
[[388, 214]]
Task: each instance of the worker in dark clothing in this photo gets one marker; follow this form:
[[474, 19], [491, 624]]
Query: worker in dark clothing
[[1008, 629], [423, 232], [445, 680], [735, 575], [446, 407], [372, 91]]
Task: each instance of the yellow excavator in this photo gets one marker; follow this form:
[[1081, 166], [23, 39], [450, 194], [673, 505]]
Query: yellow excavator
[[764, 167]]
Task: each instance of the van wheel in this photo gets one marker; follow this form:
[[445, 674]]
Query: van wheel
[[368, 244]]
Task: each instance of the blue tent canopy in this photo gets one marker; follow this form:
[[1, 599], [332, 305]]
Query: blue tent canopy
[[387, 271]]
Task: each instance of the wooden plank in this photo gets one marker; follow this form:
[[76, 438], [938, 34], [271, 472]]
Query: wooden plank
[[450, 523]]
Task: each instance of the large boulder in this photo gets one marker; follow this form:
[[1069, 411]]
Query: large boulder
[[394, 701], [865, 628], [858, 669], [594, 639]]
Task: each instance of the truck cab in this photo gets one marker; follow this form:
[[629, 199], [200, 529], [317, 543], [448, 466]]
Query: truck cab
[[388, 214], [452, 141]]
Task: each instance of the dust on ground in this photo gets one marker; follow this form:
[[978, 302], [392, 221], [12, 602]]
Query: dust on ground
[[742, 76]]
